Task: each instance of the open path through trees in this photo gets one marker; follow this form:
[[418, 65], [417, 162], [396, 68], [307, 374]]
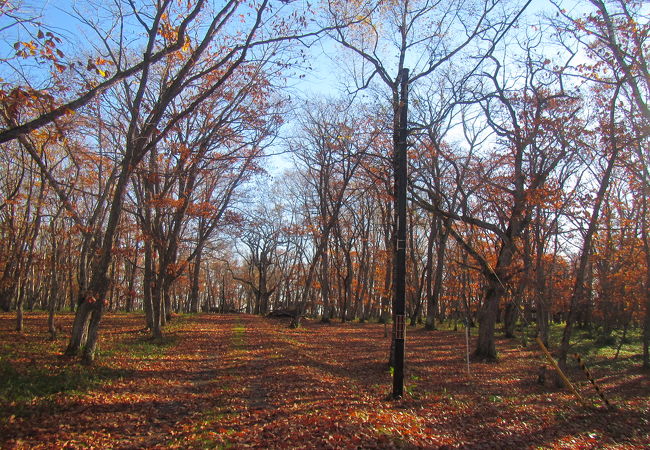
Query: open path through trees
[[241, 380]]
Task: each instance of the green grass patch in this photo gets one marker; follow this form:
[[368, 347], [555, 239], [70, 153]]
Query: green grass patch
[[25, 386], [238, 335], [144, 348], [147, 347], [10, 350], [611, 353], [177, 322], [591, 343]]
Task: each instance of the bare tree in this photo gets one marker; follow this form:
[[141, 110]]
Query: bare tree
[[536, 141], [330, 156]]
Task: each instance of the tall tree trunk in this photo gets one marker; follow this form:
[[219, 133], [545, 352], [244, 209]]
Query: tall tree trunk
[[510, 318], [263, 291], [196, 274], [417, 310], [26, 265], [52, 291], [438, 273], [158, 309], [646, 247], [5, 299], [167, 301], [541, 289], [258, 298], [130, 297], [325, 283], [496, 289], [19, 307], [112, 287], [541, 306], [91, 308], [646, 327], [485, 346], [93, 333], [430, 322], [80, 326], [347, 284], [147, 285]]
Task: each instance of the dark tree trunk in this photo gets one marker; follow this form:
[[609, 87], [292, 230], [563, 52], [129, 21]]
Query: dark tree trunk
[[52, 296], [646, 332], [438, 274], [196, 273], [510, 319], [79, 326], [485, 346], [147, 285], [93, 333], [430, 322], [417, 310], [495, 290], [112, 287], [53, 288], [646, 321], [167, 299], [541, 303], [325, 283], [130, 296], [264, 295], [5, 299], [92, 302], [158, 310], [19, 310], [347, 284]]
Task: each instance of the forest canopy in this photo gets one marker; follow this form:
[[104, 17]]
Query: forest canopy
[[169, 156]]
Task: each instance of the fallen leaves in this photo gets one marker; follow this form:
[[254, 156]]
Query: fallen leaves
[[245, 381]]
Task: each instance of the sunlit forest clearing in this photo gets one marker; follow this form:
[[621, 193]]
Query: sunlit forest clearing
[[240, 380], [324, 223]]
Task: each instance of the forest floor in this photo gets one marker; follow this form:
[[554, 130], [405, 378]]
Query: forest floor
[[232, 381]]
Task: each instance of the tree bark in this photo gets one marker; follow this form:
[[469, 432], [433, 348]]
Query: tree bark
[[437, 280], [52, 292], [130, 296], [91, 305], [157, 309], [485, 345], [19, 309], [496, 289], [510, 318], [646, 248], [147, 285], [325, 283], [196, 273], [646, 321]]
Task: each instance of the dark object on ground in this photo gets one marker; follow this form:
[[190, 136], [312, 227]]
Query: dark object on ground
[[291, 313], [541, 375]]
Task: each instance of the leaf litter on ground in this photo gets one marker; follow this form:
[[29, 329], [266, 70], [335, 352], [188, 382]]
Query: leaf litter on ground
[[246, 381]]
